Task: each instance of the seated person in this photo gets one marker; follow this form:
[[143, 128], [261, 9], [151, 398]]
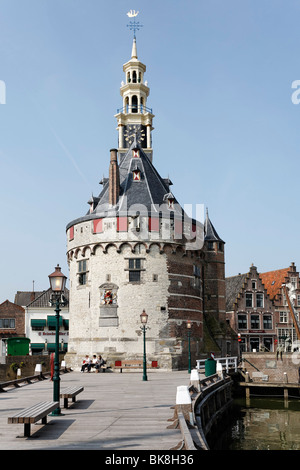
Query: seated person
[[94, 361], [100, 362], [86, 364]]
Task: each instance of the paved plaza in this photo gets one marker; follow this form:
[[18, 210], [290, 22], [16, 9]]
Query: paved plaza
[[116, 411]]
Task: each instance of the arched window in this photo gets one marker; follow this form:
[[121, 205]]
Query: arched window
[[134, 104], [134, 76], [142, 104], [126, 104]]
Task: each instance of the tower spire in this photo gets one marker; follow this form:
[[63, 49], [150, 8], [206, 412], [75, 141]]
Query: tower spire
[[134, 49], [134, 118]]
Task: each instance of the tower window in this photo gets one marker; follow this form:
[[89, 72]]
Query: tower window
[[82, 272], [134, 103], [135, 266], [134, 77]]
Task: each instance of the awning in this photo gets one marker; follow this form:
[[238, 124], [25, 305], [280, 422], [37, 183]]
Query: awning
[[51, 321], [38, 323], [37, 345], [62, 346]]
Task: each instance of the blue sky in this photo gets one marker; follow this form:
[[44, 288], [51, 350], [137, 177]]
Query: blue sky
[[226, 130]]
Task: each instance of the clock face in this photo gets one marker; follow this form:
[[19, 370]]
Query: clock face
[[132, 131]]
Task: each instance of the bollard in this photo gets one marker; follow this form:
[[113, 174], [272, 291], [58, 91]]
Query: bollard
[[183, 401], [220, 370], [63, 365], [38, 369], [18, 373], [195, 379]]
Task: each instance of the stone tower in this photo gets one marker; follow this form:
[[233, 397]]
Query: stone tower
[[136, 249], [214, 293]]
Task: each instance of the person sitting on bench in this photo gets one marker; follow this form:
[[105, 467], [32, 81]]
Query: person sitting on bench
[[86, 364], [100, 362]]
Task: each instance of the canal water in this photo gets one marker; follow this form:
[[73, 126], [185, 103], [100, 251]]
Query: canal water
[[263, 423]]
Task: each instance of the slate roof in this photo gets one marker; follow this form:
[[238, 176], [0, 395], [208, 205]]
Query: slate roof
[[210, 231], [24, 298], [148, 194], [43, 300], [233, 286], [40, 300]]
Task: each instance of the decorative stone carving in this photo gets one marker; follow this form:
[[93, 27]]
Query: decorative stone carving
[[108, 305]]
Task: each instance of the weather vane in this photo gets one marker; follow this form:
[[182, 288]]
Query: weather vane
[[133, 25]]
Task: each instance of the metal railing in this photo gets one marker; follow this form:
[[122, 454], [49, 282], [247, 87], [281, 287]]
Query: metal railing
[[227, 362], [29, 379], [134, 109]]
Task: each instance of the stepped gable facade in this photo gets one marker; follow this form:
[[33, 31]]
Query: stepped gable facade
[[257, 309]]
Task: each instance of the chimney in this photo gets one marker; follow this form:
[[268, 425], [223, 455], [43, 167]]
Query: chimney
[[114, 178]]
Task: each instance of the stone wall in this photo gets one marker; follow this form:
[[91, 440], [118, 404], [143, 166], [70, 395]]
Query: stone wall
[[26, 363]]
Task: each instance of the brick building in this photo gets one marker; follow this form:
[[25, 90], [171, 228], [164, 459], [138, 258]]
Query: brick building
[[257, 308], [137, 249], [275, 283], [12, 323]]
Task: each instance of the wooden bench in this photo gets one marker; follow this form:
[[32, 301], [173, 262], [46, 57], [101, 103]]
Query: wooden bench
[[33, 414], [70, 392], [134, 364], [101, 369]]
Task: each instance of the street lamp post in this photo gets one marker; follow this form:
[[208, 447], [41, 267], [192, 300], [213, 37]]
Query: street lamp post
[[144, 319], [57, 283], [189, 326]]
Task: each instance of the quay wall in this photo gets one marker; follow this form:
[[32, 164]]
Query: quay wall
[[8, 370], [268, 364]]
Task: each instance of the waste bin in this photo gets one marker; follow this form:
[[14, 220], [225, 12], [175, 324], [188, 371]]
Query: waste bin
[[210, 367]]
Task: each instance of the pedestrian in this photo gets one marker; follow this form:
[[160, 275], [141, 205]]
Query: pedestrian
[[279, 351]]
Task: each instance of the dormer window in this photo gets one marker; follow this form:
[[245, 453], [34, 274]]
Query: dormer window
[[169, 198], [136, 175], [135, 153]]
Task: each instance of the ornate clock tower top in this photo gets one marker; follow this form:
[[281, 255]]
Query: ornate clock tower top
[[134, 118]]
